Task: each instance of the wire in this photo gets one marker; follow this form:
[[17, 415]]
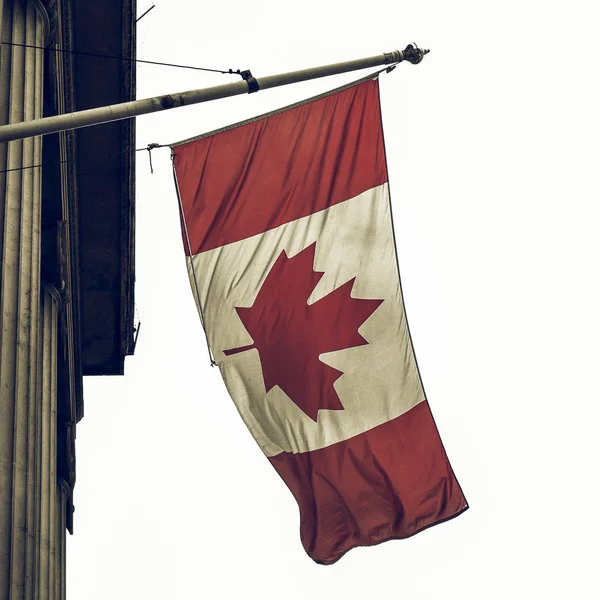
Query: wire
[[142, 16], [136, 60], [66, 161]]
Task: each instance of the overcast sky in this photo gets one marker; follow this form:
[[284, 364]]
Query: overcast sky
[[493, 155]]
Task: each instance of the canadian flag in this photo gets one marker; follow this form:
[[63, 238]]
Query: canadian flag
[[290, 249]]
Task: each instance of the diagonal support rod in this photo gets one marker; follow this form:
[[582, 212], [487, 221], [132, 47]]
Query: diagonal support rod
[[135, 108]]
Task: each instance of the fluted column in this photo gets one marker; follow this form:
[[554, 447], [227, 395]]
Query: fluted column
[[46, 529], [30, 499]]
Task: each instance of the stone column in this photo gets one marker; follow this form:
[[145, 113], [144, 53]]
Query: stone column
[[47, 551], [30, 500]]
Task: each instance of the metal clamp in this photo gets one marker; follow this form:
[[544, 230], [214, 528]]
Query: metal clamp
[[251, 81]]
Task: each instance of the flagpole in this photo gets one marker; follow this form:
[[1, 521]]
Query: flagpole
[[250, 84]]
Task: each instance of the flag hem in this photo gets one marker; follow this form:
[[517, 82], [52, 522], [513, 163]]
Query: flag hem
[[393, 538]]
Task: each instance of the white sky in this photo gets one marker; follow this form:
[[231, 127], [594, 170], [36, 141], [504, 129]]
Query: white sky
[[493, 152]]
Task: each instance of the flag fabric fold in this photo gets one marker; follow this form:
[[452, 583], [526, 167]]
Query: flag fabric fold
[[291, 254]]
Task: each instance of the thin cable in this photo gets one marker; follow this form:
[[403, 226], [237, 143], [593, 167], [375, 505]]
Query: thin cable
[[142, 16], [67, 161], [189, 249], [136, 329], [136, 60]]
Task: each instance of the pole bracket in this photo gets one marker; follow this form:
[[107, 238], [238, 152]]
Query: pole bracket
[[251, 81]]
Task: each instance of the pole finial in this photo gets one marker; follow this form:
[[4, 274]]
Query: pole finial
[[413, 54]]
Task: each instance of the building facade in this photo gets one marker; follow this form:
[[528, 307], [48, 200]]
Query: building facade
[[67, 270]]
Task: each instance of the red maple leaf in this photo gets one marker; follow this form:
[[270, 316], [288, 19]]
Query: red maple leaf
[[290, 334]]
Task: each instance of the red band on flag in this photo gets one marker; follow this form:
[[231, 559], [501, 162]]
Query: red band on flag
[[280, 168], [389, 482]]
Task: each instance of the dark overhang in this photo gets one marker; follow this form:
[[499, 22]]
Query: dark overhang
[[105, 171]]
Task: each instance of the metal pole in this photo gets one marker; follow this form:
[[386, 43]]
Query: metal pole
[[135, 108]]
